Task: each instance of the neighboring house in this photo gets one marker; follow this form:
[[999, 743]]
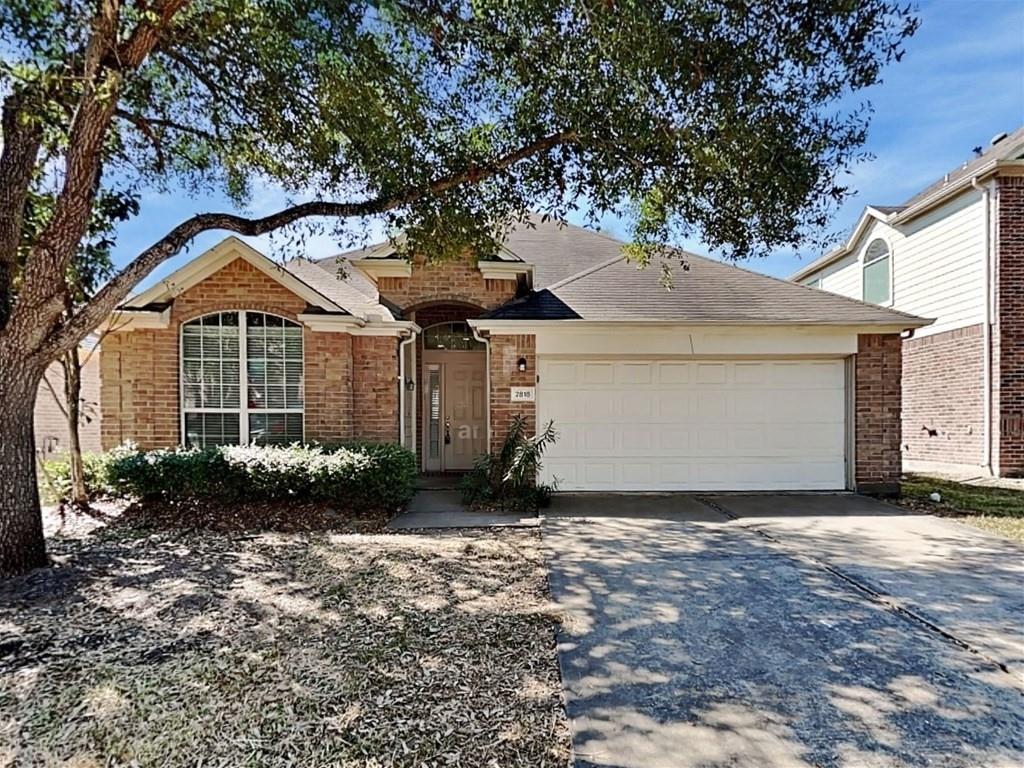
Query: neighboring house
[[953, 252], [732, 380], [51, 422]]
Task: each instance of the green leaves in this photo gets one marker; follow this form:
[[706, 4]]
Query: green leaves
[[725, 119]]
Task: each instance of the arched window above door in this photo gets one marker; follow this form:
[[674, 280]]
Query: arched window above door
[[455, 335]]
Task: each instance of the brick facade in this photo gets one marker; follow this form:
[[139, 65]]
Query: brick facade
[[877, 413], [458, 282], [139, 370], [375, 387], [1008, 334], [942, 399], [505, 374]]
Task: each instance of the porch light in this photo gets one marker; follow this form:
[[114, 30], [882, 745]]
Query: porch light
[[410, 384], [522, 364]]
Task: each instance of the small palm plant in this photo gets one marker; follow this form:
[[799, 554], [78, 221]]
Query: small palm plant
[[508, 479]]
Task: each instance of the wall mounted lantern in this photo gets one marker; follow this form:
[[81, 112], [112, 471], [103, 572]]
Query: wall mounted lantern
[[521, 364]]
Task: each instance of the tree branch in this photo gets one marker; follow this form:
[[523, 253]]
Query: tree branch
[[113, 293]]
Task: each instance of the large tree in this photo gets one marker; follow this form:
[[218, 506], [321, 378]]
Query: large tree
[[731, 119]]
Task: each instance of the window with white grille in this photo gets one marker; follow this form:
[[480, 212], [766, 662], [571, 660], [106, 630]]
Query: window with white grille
[[241, 380]]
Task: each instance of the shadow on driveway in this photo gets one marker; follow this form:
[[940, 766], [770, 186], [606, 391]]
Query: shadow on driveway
[[690, 640]]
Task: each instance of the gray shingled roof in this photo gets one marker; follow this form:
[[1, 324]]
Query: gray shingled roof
[[707, 292], [348, 293], [556, 249]]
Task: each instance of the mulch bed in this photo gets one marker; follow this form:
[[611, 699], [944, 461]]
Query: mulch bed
[[280, 516]]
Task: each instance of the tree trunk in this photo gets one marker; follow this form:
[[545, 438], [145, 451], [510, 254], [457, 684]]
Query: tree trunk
[[22, 546], [73, 399]]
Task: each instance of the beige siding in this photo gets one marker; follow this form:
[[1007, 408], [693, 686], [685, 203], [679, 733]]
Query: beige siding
[[937, 265], [50, 423]]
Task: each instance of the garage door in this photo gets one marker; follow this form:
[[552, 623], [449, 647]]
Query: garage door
[[694, 425]]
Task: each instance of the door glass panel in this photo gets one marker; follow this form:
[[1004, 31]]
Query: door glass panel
[[434, 415]]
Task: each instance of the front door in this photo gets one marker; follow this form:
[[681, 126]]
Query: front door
[[454, 409]]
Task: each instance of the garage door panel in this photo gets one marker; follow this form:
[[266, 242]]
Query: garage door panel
[[673, 373], [695, 425], [711, 373]]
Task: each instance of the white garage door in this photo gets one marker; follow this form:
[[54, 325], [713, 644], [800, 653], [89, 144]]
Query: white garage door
[[694, 425]]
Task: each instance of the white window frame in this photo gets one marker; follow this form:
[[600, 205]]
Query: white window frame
[[864, 263], [243, 409]]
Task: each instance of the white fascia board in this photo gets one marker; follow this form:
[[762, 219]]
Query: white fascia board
[[356, 326], [504, 270], [869, 216], [125, 320], [218, 257], [376, 268]]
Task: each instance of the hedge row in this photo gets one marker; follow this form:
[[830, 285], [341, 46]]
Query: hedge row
[[379, 475]]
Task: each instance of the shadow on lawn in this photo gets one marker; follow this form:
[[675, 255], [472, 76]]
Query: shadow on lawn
[[279, 649], [706, 644]]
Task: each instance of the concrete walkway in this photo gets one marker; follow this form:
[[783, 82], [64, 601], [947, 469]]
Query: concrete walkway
[[443, 508], [691, 639]]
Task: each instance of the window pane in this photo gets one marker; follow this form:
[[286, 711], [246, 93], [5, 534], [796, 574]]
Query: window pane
[[208, 429], [275, 428], [876, 281]]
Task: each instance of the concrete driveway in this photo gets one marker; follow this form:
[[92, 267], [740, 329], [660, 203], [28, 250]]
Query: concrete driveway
[[785, 631]]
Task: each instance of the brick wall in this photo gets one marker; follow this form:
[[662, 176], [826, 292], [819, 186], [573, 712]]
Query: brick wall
[[51, 425], [505, 374], [328, 386], [375, 387], [139, 369], [943, 397], [877, 413], [1008, 358], [452, 281]]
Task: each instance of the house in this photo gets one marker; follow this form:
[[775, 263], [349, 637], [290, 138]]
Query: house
[[731, 380], [953, 252]]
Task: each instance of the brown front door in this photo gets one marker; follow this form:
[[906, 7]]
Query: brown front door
[[455, 409]]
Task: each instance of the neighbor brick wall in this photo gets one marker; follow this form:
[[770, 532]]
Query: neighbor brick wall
[[943, 397], [51, 425], [505, 374], [1008, 346], [139, 369], [452, 281], [877, 412], [375, 387]]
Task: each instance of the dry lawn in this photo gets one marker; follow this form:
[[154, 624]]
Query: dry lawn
[[282, 649]]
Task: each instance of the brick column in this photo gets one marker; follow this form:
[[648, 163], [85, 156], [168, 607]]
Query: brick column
[[505, 374], [878, 367], [1008, 334]]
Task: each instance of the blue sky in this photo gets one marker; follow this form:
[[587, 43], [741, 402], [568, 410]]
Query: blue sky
[[961, 82]]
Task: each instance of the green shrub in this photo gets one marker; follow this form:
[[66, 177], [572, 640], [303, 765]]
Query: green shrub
[[508, 479], [56, 481], [381, 476]]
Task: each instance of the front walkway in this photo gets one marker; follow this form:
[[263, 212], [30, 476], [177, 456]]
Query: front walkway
[[694, 639], [438, 504]]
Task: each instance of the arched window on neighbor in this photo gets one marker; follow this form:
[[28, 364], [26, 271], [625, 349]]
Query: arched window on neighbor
[[241, 380], [877, 273]]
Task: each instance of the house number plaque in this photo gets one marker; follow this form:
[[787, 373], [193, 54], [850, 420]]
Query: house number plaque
[[524, 394]]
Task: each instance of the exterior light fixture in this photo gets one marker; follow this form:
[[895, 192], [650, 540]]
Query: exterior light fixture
[[521, 364], [410, 384]]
